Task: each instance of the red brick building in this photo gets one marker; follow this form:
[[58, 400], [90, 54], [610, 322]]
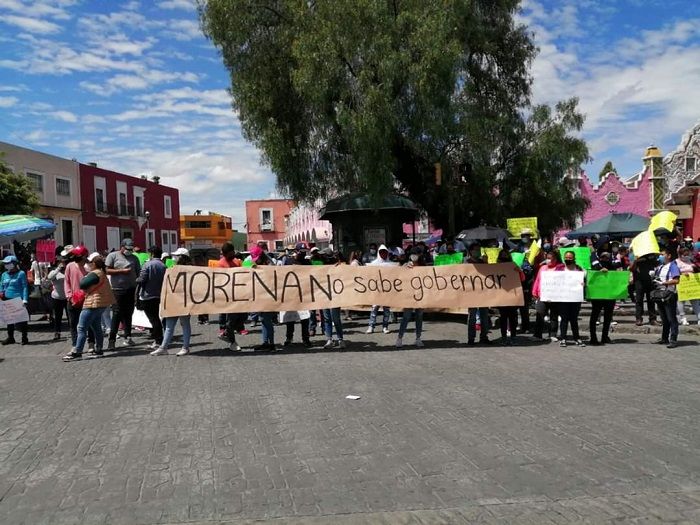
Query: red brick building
[[116, 206]]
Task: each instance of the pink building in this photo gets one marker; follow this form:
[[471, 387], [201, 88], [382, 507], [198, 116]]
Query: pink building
[[266, 221], [303, 225]]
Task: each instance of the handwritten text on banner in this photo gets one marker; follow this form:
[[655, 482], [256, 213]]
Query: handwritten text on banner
[[198, 290], [562, 287]]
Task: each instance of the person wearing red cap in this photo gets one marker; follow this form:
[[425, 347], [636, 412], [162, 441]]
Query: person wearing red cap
[[75, 271]]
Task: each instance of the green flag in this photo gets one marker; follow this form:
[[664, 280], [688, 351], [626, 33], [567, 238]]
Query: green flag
[[448, 258], [582, 254], [607, 285], [518, 258]]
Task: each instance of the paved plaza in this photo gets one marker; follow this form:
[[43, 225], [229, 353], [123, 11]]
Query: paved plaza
[[445, 434]]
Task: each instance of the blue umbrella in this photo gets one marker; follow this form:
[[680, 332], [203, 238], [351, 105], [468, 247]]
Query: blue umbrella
[[22, 228]]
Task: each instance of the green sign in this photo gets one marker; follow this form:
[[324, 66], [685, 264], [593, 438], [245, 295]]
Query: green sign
[[582, 254], [248, 263], [317, 263], [448, 258], [169, 263], [142, 257], [518, 258], [607, 285]]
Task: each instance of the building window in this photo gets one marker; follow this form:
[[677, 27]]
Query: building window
[[612, 198], [164, 236], [63, 187], [122, 204], [266, 220], [100, 200], [173, 239], [197, 224], [37, 181], [279, 246], [167, 207], [690, 164], [139, 206]]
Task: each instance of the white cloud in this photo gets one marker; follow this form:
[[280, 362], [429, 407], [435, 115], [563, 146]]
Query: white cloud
[[189, 5], [65, 116], [33, 25], [6, 102], [182, 30], [38, 9]]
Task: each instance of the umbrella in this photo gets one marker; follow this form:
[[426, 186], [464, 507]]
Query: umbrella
[[612, 225], [22, 228], [481, 233]]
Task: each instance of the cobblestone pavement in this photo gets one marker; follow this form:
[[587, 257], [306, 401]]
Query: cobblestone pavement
[[444, 434]]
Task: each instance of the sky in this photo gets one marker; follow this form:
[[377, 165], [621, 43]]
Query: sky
[[137, 88]]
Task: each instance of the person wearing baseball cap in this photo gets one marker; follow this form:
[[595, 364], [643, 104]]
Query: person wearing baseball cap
[[14, 285], [123, 267], [149, 284], [75, 271]]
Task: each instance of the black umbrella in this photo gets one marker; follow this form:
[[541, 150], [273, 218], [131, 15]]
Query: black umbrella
[[481, 233], [612, 225]]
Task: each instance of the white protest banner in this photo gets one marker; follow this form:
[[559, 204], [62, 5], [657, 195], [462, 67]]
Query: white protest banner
[[198, 290], [13, 311], [562, 287]]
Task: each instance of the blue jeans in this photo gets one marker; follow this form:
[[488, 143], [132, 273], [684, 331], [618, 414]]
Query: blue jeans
[[386, 311], [406, 318], [313, 321], [170, 323], [90, 318], [106, 319], [483, 320], [331, 317], [268, 327]]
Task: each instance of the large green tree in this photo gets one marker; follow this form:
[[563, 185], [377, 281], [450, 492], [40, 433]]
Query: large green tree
[[368, 95], [17, 195]]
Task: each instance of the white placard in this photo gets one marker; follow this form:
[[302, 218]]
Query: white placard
[[13, 311], [140, 319], [562, 287]]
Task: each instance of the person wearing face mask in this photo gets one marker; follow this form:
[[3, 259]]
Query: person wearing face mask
[[542, 309], [75, 271], [370, 255], [98, 296], [381, 260], [687, 266], [569, 311], [666, 278], [57, 278], [642, 268], [474, 257], [509, 314], [603, 263], [414, 259], [150, 282], [259, 258], [123, 267], [13, 285]]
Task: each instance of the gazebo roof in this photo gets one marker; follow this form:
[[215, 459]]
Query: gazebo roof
[[359, 202]]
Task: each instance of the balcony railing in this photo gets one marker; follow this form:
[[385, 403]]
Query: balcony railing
[[118, 211]]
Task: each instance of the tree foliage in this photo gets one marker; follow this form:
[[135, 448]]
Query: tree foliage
[[367, 95], [17, 195], [608, 168]]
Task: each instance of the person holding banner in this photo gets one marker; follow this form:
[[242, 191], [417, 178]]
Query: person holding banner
[[542, 308], [667, 277], [331, 316], [569, 311], [149, 284], [642, 269], [381, 260], [602, 263], [302, 317], [509, 314], [14, 284], [475, 257], [416, 258], [183, 259], [687, 267], [123, 267], [267, 319]]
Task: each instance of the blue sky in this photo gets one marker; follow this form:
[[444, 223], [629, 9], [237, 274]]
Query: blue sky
[[135, 87]]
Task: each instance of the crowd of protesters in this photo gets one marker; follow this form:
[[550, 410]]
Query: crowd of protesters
[[99, 293]]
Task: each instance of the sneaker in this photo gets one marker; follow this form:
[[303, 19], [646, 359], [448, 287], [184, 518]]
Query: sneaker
[[341, 345], [386, 330], [399, 342], [672, 344], [91, 348], [153, 346], [244, 332], [72, 356], [369, 330], [159, 351], [553, 339], [684, 321], [97, 353], [562, 343], [111, 345], [128, 342], [329, 344], [661, 341], [183, 351], [234, 347], [580, 343], [222, 334], [419, 343]]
